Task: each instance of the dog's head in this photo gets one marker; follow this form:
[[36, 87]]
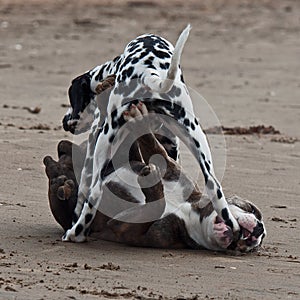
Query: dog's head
[[79, 116], [252, 227], [218, 236]]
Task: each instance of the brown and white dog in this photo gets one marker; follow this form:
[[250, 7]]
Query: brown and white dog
[[161, 215]]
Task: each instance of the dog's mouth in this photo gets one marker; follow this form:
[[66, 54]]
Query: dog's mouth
[[244, 234], [246, 240]]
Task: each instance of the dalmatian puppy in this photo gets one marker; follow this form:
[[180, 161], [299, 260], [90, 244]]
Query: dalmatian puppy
[[147, 71], [178, 222]]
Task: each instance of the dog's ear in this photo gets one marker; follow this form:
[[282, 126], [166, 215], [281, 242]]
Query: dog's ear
[[84, 83], [80, 93]]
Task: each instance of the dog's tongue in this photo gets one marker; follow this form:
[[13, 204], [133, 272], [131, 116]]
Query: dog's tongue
[[246, 233]]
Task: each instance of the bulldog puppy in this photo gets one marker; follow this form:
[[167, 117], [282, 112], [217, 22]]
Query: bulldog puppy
[[154, 206]]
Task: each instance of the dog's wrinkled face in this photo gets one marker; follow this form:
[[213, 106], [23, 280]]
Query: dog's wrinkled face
[[77, 119], [252, 228]]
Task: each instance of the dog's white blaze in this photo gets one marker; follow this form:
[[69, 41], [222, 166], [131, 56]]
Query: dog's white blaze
[[173, 195]]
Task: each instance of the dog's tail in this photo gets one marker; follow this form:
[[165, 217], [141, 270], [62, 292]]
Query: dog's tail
[[160, 85]]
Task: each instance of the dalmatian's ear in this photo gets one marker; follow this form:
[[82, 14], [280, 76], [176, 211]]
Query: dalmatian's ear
[[84, 83]]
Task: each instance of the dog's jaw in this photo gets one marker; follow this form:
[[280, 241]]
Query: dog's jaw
[[212, 233], [217, 235]]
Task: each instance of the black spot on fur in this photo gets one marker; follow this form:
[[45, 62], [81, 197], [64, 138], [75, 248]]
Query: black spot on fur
[[113, 115], [106, 127], [196, 121], [193, 126], [91, 204], [219, 194], [88, 218], [133, 47], [149, 62], [117, 66], [149, 42], [205, 177], [181, 78], [207, 166], [176, 110], [186, 122], [116, 59], [161, 54], [162, 43], [102, 173], [164, 66], [225, 214], [121, 121], [154, 74], [114, 124], [135, 60], [163, 46], [174, 92], [204, 172], [99, 76], [111, 138], [126, 62], [182, 112], [144, 54], [196, 143], [127, 73], [114, 112], [74, 218], [78, 229]]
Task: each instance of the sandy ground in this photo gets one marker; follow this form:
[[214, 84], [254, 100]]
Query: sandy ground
[[243, 58]]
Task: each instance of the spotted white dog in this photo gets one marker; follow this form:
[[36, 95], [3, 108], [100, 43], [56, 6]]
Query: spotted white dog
[[147, 71]]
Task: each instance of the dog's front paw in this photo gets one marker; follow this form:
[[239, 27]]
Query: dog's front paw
[[72, 235], [223, 233], [149, 180], [149, 176]]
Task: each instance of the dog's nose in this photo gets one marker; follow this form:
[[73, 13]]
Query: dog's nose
[[65, 122], [69, 124]]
